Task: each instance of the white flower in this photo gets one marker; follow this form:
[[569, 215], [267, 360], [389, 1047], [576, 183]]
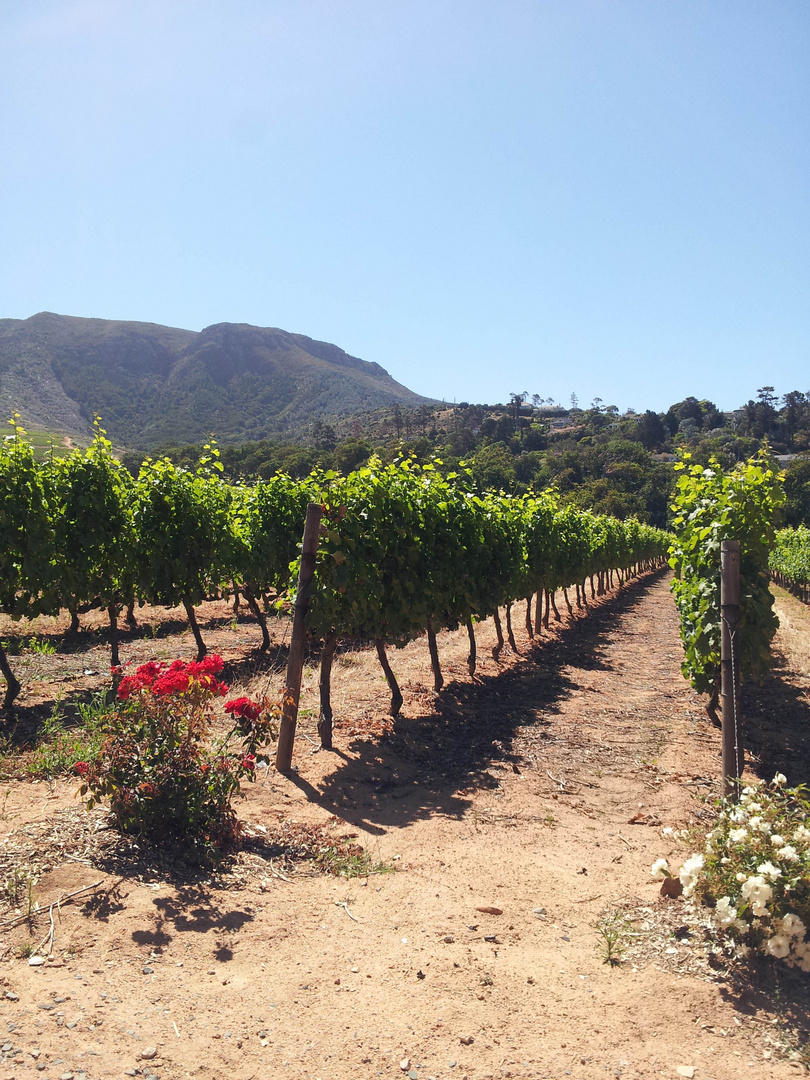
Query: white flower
[[778, 945], [724, 913], [689, 873], [779, 779], [746, 793], [793, 926], [767, 869], [660, 869], [736, 835], [754, 808], [788, 853], [777, 841], [742, 877], [802, 834], [759, 824], [802, 949], [757, 892], [738, 815], [668, 831], [741, 951]]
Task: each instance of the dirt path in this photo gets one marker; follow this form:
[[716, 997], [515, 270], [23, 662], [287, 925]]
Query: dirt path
[[540, 790]]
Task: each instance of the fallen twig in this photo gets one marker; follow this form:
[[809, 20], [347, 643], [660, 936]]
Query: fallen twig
[[345, 905], [278, 874], [62, 899]]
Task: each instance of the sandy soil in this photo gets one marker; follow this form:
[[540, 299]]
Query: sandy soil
[[518, 811]]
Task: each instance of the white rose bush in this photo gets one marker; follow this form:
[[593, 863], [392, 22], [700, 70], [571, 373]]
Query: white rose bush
[[754, 872]]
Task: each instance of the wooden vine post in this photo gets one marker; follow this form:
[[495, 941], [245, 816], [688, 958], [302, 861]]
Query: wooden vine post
[[730, 666], [295, 661]]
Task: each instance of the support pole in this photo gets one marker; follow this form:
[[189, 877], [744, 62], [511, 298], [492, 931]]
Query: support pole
[[295, 661], [730, 666]]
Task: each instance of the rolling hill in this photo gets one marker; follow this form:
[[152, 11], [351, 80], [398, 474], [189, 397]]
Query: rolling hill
[[154, 385]]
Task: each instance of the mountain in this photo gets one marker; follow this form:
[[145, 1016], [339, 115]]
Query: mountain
[[153, 385]]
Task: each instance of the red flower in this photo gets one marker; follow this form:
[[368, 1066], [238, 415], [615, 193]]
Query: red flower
[[249, 762], [81, 768], [244, 708]]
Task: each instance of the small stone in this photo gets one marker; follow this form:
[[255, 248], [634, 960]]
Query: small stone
[[413, 1075], [147, 970], [6, 1047], [35, 961], [466, 1040], [686, 1070], [448, 939], [46, 1006], [66, 1076], [130, 1072], [11, 996], [405, 1064], [148, 1053], [451, 1064]]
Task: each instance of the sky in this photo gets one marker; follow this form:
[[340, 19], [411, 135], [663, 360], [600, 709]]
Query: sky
[[609, 198]]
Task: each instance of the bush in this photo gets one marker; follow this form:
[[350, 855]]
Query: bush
[[163, 779], [754, 872]]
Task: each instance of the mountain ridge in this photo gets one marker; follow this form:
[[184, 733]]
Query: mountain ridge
[[155, 384]]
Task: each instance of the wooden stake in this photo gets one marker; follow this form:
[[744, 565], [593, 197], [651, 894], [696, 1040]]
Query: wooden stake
[[529, 629], [730, 666], [538, 611], [295, 660], [325, 687]]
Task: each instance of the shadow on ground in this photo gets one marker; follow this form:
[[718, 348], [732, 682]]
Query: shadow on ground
[[429, 763], [776, 725]]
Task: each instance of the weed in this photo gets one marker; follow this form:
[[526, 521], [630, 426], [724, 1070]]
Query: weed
[[614, 930], [25, 950], [351, 863], [41, 646], [14, 885], [59, 748]]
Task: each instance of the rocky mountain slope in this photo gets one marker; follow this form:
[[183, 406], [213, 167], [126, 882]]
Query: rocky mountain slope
[[154, 384]]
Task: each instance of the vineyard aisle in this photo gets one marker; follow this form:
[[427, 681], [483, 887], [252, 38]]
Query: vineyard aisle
[[521, 810]]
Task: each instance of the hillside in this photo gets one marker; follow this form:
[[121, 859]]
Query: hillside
[[157, 384]]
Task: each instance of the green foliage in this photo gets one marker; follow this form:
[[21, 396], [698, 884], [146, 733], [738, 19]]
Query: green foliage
[[27, 548], [797, 491], [60, 747], [268, 521], [90, 500], [185, 542], [791, 555], [711, 506], [405, 547]]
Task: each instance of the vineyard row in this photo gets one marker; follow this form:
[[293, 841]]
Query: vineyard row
[[403, 550]]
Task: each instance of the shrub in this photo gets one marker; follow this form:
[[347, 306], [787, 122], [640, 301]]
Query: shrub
[[754, 871], [164, 777]]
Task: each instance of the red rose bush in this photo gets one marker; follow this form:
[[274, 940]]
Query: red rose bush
[[164, 776]]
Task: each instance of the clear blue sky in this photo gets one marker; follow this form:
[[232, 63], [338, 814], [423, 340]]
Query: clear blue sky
[[606, 197]]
